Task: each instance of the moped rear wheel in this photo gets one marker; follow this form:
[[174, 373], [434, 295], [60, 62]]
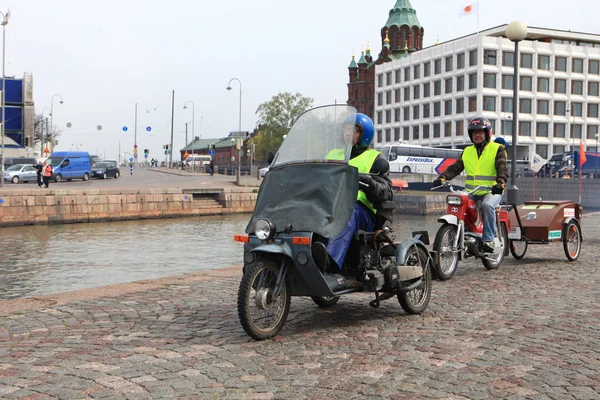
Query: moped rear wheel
[[416, 301], [325, 301], [443, 244], [497, 262], [261, 313]]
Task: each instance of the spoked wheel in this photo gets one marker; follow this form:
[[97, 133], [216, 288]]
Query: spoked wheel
[[415, 301], [261, 312], [325, 301], [572, 240], [494, 260], [518, 248], [444, 245]]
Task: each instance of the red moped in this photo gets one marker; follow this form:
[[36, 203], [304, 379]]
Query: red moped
[[460, 235]]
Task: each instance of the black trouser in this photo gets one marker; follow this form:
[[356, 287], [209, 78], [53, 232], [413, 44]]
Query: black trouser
[[46, 181], [40, 180]]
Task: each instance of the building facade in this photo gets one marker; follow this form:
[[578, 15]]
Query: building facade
[[428, 96], [19, 120]]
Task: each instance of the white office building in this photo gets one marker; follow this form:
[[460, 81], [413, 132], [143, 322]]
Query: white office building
[[428, 96]]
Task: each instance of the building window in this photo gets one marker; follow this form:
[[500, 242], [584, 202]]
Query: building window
[[460, 105], [460, 61], [525, 83], [578, 65], [397, 115], [427, 68], [560, 86], [406, 111], [436, 130], [472, 104], [524, 128], [592, 111], [448, 86], [416, 92], [576, 130], [543, 107], [560, 64], [388, 116], [593, 89], [543, 85], [436, 109], [388, 135], [489, 57], [426, 108], [426, 89], [542, 150], [388, 97], [380, 80], [544, 62], [507, 82], [407, 93], [577, 109], [379, 117], [508, 58], [489, 103], [437, 88], [448, 61], [592, 131], [560, 108], [559, 130], [426, 131], [397, 96], [472, 58], [416, 111], [594, 67], [559, 149], [396, 134], [507, 104], [416, 132], [407, 74], [526, 60], [542, 130], [576, 87], [507, 127], [447, 107], [460, 83], [525, 106], [416, 72], [489, 81], [380, 99], [473, 81], [460, 128], [437, 66], [398, 75], [448, 128], [379, 139], [388, 78], [405, 134]]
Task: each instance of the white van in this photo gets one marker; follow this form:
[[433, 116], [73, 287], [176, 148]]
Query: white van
[[198, 160]]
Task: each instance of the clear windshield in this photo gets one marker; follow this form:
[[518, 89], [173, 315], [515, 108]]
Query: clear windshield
[[54, 161], [100, 165], [320, 134], [15, 167]]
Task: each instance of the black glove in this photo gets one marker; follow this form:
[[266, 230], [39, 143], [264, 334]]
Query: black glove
[[498, 188], [439, 181]]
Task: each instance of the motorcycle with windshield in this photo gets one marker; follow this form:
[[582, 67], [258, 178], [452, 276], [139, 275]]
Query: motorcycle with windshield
[[461, 233], [305, 198]]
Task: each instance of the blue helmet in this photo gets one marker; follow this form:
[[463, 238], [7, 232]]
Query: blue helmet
[[366, 125], [500, 140]]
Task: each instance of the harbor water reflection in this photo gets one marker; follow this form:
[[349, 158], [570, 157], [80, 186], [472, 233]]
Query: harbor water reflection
[[44, 259]]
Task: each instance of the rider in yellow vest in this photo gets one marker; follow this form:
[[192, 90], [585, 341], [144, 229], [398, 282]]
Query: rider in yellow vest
[[372, 190], [485, 165]]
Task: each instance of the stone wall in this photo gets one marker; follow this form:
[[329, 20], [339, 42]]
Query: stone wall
[[32, 207]]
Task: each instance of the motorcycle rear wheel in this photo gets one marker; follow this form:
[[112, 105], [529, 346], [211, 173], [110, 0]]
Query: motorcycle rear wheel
[[416, 301], [444, 240], [261, 314], [325, 301]]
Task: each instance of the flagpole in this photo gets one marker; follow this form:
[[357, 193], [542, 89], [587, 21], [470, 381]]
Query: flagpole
[[478, 17]]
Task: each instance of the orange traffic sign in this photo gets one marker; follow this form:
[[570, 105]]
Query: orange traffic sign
[[46, 150]]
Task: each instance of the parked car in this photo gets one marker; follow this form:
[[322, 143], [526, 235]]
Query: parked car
[[106, 168], [8, 161], [20, 172], [263, 171]]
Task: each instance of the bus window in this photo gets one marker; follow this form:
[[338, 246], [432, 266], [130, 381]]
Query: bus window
[[393, 153], [385, 151], [415, 151], [440, 153], [403, 151]]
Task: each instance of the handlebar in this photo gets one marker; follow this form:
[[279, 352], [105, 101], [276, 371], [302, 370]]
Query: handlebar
[[449, 185]]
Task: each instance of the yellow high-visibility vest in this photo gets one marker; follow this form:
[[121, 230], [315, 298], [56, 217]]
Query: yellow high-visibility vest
[[480, 170]]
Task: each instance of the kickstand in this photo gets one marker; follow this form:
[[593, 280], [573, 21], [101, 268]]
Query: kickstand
[[375, 303]]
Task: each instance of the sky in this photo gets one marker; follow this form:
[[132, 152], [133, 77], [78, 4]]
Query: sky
[[103, 57]]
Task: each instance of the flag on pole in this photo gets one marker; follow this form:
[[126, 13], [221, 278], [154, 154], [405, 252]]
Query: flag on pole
[[470, 9], [537, 162], [582, 157]]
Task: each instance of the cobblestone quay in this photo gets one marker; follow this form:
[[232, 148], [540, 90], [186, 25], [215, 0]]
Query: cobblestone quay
[[528, 330]]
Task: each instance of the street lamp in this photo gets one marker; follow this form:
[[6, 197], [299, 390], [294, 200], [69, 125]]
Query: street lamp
[[52, 115], [193, 117], [515, 32], [232, 157], [3, 23], [596, 168], [239, 126]]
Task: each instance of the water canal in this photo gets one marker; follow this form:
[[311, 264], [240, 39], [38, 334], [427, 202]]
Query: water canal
[[44, 259]]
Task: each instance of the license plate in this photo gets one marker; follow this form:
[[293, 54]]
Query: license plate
[[514, 233]]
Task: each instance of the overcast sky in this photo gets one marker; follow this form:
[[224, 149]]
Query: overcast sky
[[104, 56]]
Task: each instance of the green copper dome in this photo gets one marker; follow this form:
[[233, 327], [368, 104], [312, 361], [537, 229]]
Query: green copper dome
[[403, 13]]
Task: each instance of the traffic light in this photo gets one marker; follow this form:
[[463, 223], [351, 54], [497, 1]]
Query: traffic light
[[146, 151]]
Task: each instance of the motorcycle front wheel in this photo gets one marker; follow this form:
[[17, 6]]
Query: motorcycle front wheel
[[443, 244], [262, 313], [416, 301]]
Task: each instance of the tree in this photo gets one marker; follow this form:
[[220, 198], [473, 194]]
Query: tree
[[39, 131]]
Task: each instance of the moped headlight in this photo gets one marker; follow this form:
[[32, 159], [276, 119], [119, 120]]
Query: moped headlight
[[454, 200], [264, 229]]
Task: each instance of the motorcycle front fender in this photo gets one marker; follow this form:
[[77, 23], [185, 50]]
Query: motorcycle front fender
[[402, 251], [275, 248], [449, 219]]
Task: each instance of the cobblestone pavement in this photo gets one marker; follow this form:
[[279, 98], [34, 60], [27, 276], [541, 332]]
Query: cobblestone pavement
[[527, 330]]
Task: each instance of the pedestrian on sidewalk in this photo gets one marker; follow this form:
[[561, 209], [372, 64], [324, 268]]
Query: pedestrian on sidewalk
[[47, 174], [211, 167], [39, 169]]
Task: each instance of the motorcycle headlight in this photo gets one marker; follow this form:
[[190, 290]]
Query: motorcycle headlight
[[264, 229], [454, 200]]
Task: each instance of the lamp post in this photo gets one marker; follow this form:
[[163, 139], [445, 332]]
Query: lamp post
[[232, 157], [596, 167], [515, 32], [3, 23], [193, 117], [239, 126], [52, 114]]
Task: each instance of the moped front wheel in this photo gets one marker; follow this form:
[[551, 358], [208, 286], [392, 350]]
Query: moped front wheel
[[416, 301], [444, 246], [262, 313]]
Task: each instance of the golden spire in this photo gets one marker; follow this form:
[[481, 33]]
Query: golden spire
[[406, 46], [387, 38], [438, 40], [368, 47]]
